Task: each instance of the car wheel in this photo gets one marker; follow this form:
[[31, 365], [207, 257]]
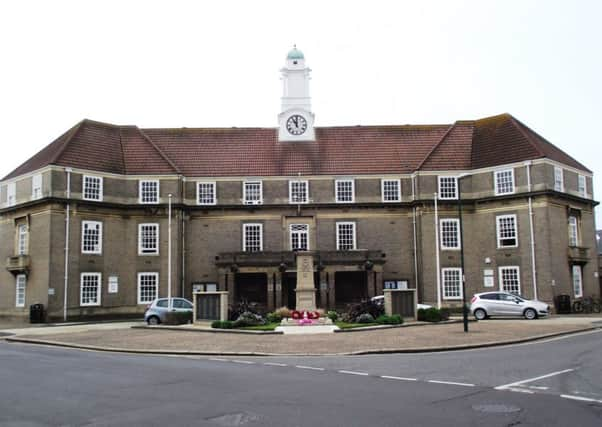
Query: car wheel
[[480, 314], [530, 314], [153, 320]]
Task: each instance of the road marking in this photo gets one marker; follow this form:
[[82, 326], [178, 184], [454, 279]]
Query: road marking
[[219, 360], [274, 364], [389, 377], [538, 388], [353, 373], [311, 368], [451, 383], [245, 362], [552, 374], [581, 398], [520, 390]]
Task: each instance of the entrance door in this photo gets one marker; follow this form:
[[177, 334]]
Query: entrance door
[[350, 287], [252, 288]]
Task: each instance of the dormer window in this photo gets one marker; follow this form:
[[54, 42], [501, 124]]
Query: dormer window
[[252, 193], [448, 187], [504, 182], [206, 193], [344, 190], [298, 191], [92, 188], [148, 191], [391, 190]]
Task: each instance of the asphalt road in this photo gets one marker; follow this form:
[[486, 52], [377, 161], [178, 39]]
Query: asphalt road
[[535, 384]]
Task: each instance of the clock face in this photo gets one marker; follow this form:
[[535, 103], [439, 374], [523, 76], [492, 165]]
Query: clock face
[[296, 125]]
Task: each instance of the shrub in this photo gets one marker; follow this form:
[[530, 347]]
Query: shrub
[[273, 317], [395, 319], [283, 312], [249, 319], [433, 314], [243, 306], [333, 315], [365, 318], [356, 310], [222, 324]]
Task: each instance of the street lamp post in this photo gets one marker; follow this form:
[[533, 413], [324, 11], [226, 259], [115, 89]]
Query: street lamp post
[[463, 276]]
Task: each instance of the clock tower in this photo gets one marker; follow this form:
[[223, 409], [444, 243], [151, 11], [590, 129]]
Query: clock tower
[[295, 119]]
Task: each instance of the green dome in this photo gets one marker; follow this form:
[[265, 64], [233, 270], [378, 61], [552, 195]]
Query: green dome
[[295, 53]]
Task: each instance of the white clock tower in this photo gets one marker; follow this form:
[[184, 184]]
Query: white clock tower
[[296, 119]]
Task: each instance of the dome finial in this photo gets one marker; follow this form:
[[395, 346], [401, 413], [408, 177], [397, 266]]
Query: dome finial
[[295, 53]]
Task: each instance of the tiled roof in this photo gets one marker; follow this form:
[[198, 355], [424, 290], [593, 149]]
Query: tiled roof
[[343, 150]]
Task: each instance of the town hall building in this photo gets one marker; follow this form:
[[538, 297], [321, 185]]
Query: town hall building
[[87, 223]]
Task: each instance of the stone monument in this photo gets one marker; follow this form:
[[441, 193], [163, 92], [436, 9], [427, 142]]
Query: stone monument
[[305, 290]]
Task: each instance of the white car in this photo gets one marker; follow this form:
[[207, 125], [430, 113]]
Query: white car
[[380, 300], [488, 304]]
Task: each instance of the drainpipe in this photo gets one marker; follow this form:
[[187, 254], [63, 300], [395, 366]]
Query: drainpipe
[[437, 253], [532, 233], [67, 215], [169, 302], [415, 253], [183, 237]]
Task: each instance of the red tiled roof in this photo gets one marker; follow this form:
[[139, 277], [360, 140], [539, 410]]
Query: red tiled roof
[[256, 151]]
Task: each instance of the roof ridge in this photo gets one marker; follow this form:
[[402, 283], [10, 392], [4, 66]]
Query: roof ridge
[[74, 131], [161, 153], [525, 135], [447, 132]]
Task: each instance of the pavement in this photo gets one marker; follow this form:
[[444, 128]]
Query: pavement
[[133, 337]]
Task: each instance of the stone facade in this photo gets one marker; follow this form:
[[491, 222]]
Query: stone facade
[[207, 241]]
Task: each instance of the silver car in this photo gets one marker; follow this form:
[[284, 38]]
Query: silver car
[[157, 310], [488, 304]]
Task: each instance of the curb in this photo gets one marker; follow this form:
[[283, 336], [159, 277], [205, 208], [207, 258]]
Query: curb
[[250, 353], [207, 330]]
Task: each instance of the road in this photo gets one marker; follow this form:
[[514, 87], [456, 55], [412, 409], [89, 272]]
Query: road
[[552, 383]]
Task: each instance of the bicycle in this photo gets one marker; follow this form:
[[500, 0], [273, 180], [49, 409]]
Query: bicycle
[[586, 305]]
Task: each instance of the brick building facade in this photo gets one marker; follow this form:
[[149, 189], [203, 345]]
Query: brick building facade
[[84, 222]]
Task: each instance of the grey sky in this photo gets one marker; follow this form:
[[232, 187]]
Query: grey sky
[[206, 64]]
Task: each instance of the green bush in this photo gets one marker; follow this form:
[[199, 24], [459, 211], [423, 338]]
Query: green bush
[[273, 317], [333, 315], [395, 319], [433, 314], [222, 324], [365, 318]]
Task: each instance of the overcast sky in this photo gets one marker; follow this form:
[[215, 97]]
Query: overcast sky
[[216, 63]]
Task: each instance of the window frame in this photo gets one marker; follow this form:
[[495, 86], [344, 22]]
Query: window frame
[[141, 250], [36, 186], [141, 192], [98, 301], [442, 233], [299, 232], [139, 276], [338, 224], [439, 187], [574, 268], [582, 189], [11, 194], [444, 294], [98, 250], [336, 190], [247, 226], [383, 183], [558, 179], [20, 290], [498, 219], [573, 223], [85, 178], [501, 278], [213, 185], [496, 182], [245, 192], [290, 191], [22, 239]]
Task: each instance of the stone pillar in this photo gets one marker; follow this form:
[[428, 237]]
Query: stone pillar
[[323, 289], [270, 284], [278, 289], [370, 283], [332, 297], [379, 281], [305, 290]]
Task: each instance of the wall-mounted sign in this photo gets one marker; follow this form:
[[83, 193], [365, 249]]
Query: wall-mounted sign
[[50, 291], [395, 284], [113, 284], [488, 278], [204, 287]]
